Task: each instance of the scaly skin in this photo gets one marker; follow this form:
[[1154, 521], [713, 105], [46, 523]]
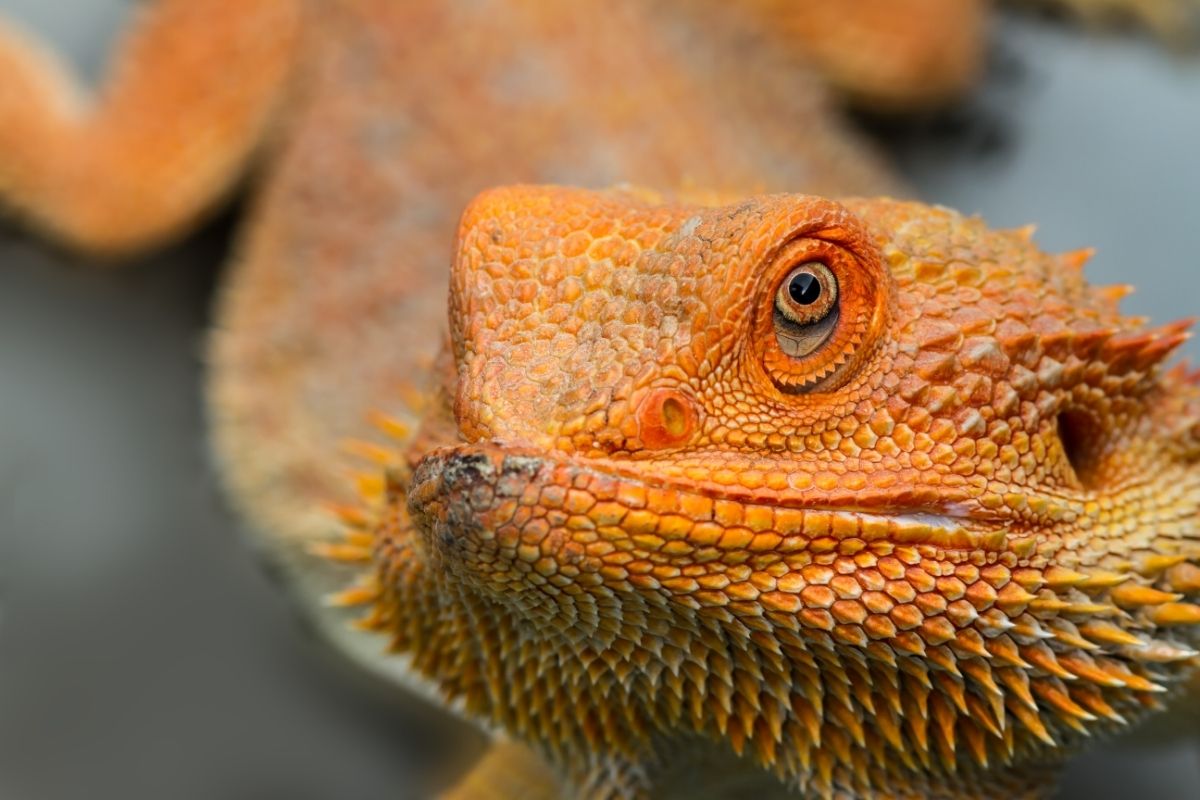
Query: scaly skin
[[363, 160], [926, 559]]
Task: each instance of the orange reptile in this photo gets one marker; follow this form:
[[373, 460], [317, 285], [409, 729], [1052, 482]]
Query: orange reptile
[[864, 493], [654, 390]]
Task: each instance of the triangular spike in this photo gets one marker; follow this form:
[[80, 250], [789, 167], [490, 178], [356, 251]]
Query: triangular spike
[[351, 516], [1025, 232], [942, 657], [886, 721], [1076, 259], [1104, 580], [1103, 632], [1066, 633], [969, 642], [393, 427], [1004, 650], [1117, 669], [1017, 683], [357, 595], [809, 717], [1158, 350], [1056, 696], [944, 718], [916, 719], [340, 551], [1145, 349], [1154, 565], [1132, 595], [1013, 599], [918, 671], [891, 694], [1160, 652], [369, 451], [1092, 609], [1049, 604], [1114, 293], [370, 487], [1044, 659], [1057, 577], [1031, 579], [1088, 343], [976, 743], [981, 673], [985, 714], [1029, 717], [1170, 614], [849, 722], [1093, 700], [1083, 666], [953, 689], [1185, 578], [1028, 627]]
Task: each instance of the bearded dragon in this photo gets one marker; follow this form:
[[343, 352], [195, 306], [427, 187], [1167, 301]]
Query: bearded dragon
[[365, 169], [859, 493]]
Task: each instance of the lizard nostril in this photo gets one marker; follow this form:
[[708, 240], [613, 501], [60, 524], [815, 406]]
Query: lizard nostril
[[666, 418], [674, 417]]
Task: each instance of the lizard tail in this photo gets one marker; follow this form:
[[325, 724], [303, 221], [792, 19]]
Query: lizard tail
[[508, 770]]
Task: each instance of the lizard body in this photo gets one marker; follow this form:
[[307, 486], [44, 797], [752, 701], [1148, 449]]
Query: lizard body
[[364, 163]]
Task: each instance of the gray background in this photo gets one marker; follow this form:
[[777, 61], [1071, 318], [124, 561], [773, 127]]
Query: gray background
[[143, 654]]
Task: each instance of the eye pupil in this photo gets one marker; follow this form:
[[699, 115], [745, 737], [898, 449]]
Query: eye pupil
[[804, 289]]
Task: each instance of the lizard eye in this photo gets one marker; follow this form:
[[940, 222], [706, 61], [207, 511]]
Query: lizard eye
[[806, 309], [822, 309]]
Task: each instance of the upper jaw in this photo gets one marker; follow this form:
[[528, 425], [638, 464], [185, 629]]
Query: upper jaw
[[494, 505]]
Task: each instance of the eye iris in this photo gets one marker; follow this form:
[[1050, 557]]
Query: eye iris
[[804, 289], [806, 310]]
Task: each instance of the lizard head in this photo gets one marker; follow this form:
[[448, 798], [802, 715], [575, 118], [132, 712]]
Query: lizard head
[[865, 490]]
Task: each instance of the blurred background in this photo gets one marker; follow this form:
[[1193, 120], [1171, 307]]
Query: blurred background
[[144, 653]]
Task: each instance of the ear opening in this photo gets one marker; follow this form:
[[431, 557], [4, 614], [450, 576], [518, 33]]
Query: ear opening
[[1080, 435]]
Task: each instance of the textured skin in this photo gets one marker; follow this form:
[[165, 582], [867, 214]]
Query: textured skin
[[557, 99], [362, 171], [926, 560]]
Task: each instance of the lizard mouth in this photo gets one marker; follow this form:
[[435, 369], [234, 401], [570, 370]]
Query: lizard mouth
[[512, 512]]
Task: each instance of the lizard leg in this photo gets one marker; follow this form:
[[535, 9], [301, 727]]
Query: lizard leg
[[510, 769], [612, 779], [506, 770], [885, 55], [189, 97]]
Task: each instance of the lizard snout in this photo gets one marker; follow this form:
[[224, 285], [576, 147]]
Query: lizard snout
[[459, 497]]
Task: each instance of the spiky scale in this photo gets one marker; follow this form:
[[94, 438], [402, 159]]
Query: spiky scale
[[1184, 578], [1103, 632], [1171, 614], [341, 551], [1132, 595]]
